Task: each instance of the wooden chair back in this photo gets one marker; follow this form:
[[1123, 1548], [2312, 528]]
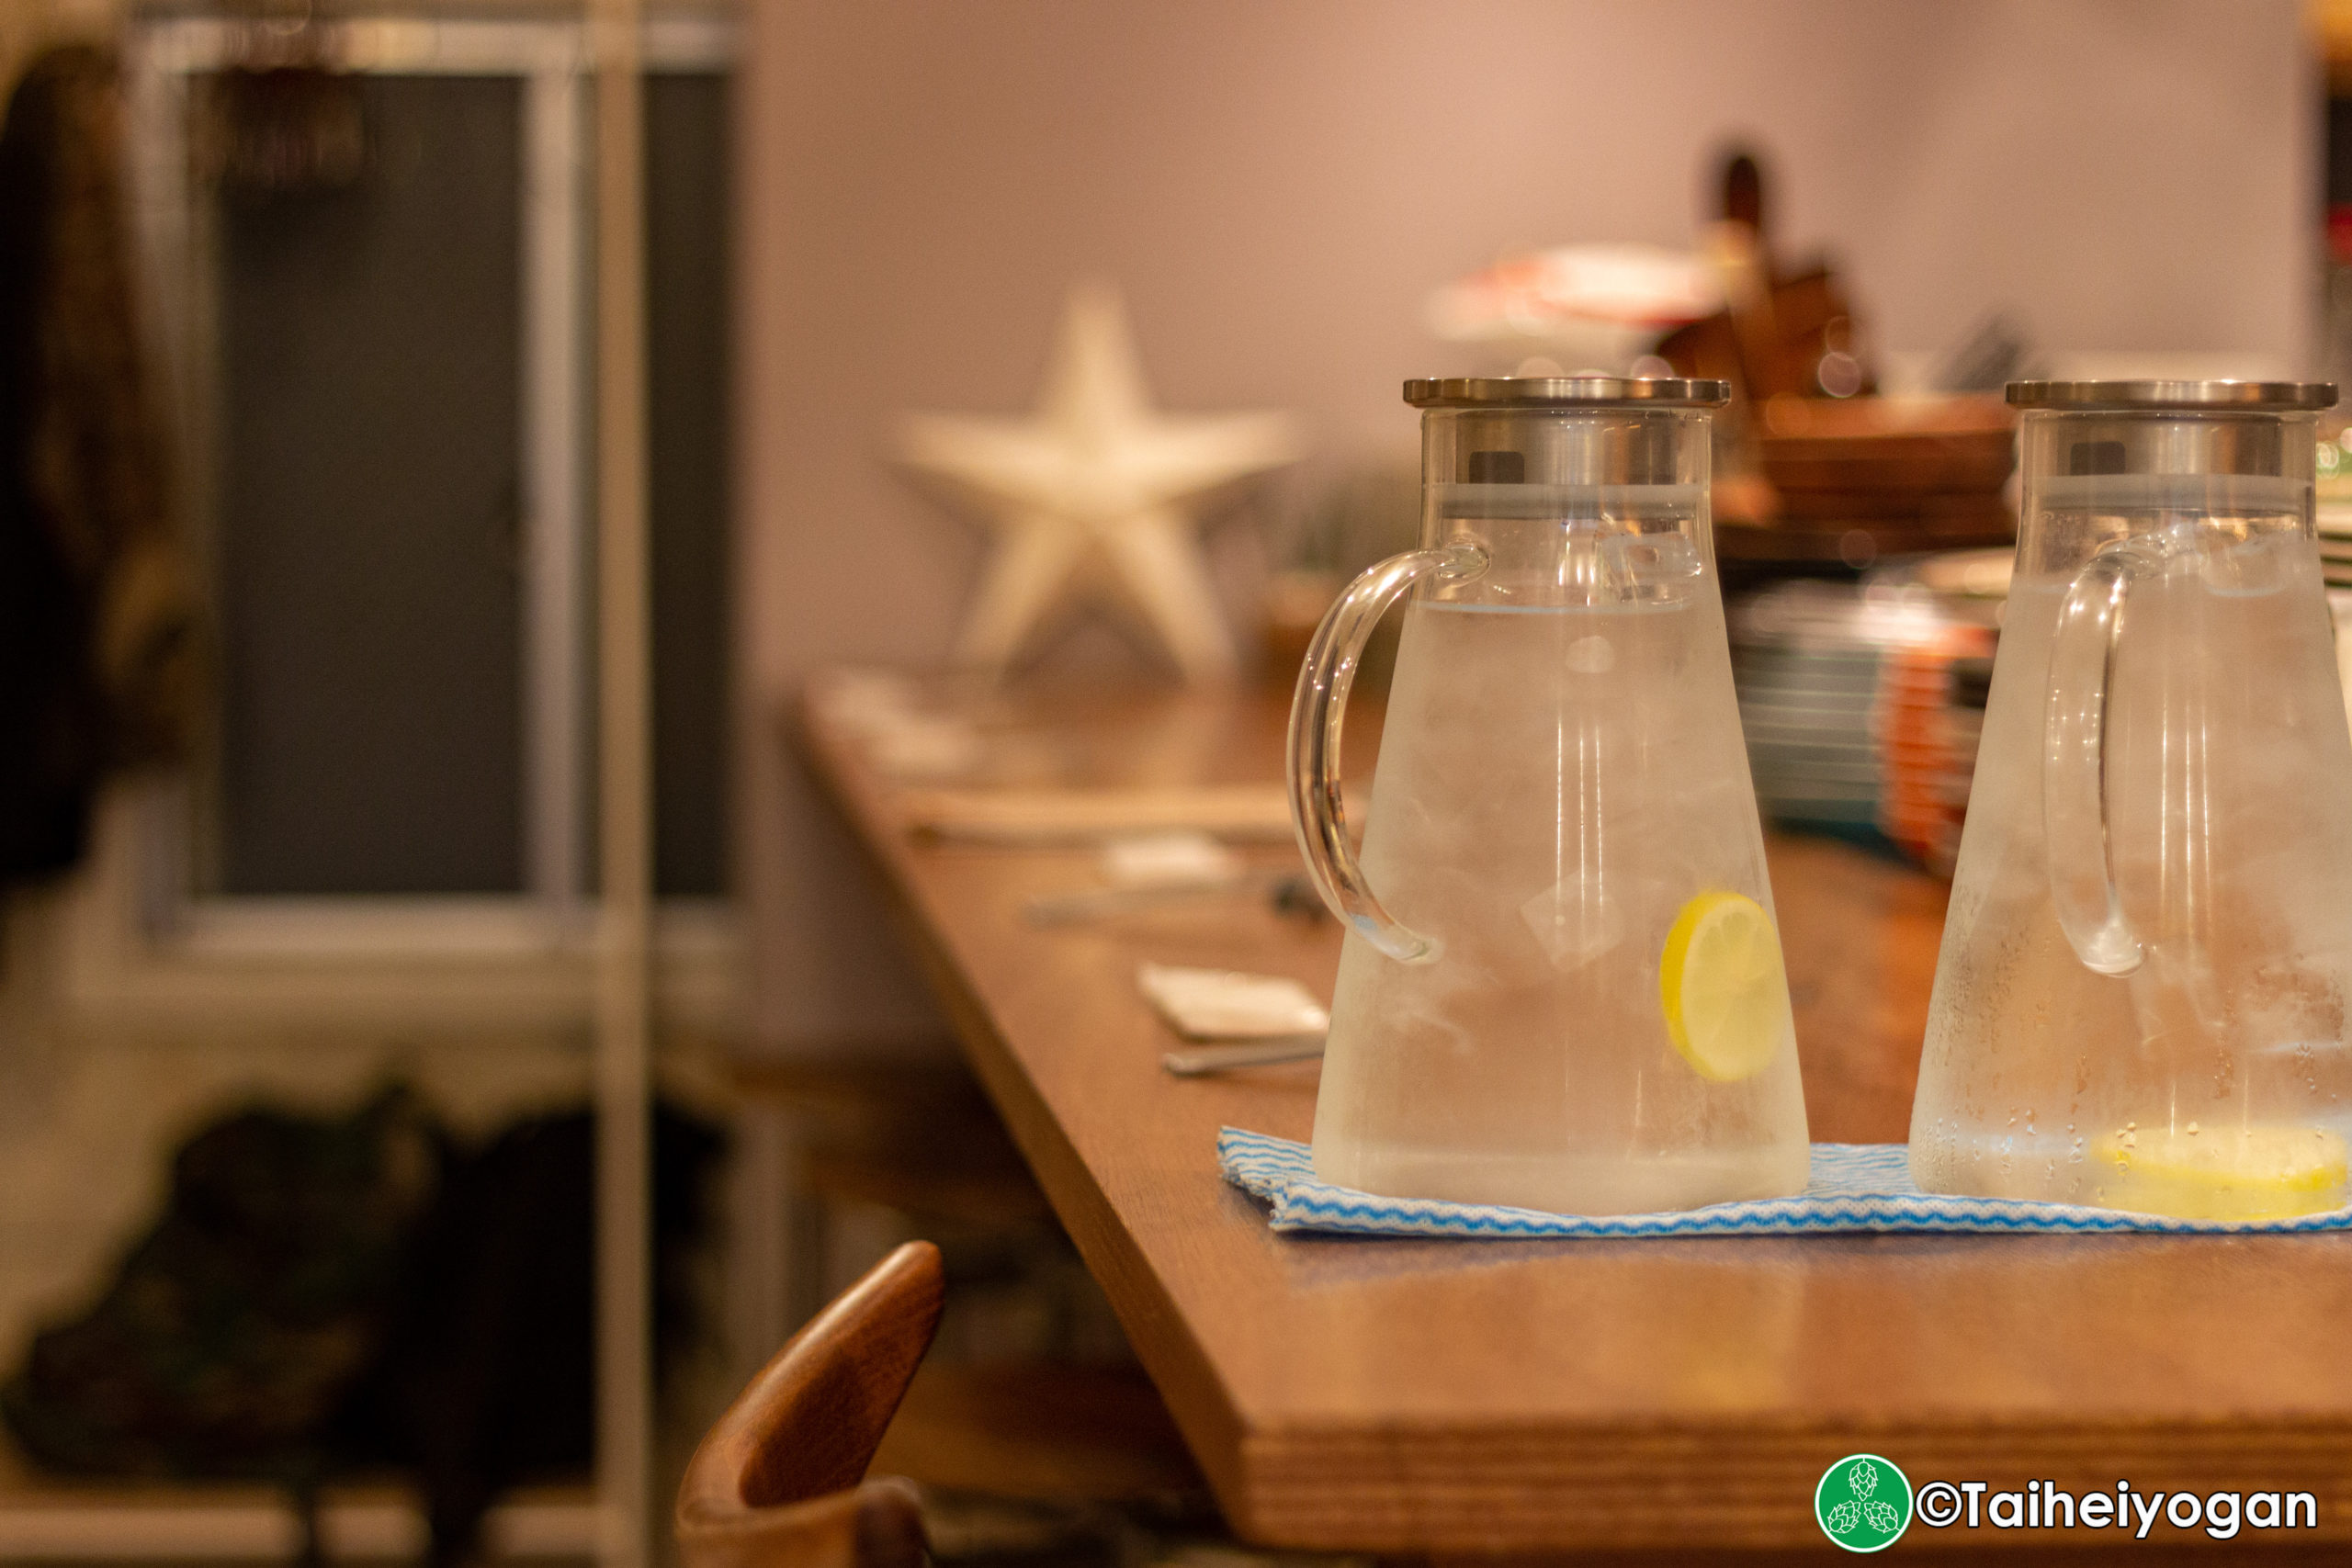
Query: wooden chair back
[[779, 1479]]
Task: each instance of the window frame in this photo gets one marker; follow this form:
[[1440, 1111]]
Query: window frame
[[146, 943]]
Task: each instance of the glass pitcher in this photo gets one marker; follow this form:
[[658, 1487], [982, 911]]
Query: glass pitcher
[[1561, 985], [2144, 996]]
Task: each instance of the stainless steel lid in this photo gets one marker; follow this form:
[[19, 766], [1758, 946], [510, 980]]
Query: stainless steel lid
[[1563, 391], [2218, 397]]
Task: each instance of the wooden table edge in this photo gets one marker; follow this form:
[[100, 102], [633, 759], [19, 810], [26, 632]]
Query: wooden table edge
[[1176, 1362]]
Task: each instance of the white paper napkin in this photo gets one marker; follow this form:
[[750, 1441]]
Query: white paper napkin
[[1220, 1004]]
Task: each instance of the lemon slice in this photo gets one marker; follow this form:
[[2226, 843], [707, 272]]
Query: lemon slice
[[2222, 1173], [1722, 984]]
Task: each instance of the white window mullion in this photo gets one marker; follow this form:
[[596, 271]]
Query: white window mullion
[[554, 582], [179, 305]]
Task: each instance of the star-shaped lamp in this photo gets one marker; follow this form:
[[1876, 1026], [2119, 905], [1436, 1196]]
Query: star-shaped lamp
[[1088, 495]]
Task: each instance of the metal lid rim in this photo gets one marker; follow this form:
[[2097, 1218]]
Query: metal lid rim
[[1563, 391], [2124, 397]]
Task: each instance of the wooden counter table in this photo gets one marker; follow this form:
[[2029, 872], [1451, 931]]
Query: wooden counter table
[[1465, 1396]]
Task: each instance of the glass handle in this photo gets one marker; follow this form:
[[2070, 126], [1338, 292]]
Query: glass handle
[[1316, 714], [2075, 830]]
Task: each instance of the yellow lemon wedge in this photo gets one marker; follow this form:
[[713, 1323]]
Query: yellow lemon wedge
[[1721, 982], [2222, 1173]]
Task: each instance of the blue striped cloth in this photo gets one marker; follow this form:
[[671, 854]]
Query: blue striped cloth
[[1855, 1186]]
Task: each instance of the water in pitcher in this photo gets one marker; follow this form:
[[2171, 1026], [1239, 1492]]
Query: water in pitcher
[[2231, 839], [1556, 786]]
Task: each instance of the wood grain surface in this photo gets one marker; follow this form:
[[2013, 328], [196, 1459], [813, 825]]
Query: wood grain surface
[[1441, 1396]]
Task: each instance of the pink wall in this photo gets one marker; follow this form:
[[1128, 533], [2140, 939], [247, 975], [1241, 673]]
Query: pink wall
[[1276, 184]]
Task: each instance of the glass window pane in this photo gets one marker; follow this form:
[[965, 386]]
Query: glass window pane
[[687, 248], [369, 514]]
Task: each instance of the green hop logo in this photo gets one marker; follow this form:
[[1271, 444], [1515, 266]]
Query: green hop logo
[[1863, 1503]]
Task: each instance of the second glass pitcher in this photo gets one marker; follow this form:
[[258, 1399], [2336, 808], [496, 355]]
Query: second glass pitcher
[[2145, 998], [1561, 985]]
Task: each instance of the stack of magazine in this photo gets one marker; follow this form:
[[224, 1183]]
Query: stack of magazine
[[2336, 543], [1863, 702]]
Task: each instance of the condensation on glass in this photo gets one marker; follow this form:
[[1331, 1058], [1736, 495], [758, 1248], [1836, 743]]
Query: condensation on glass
[[2144, 996], [1561, 778]]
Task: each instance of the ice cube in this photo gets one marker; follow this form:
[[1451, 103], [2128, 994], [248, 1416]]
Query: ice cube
[[1575, 920]]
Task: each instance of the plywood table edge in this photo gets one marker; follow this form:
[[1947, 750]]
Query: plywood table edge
[[1179, 1367], [1752, 1485]]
